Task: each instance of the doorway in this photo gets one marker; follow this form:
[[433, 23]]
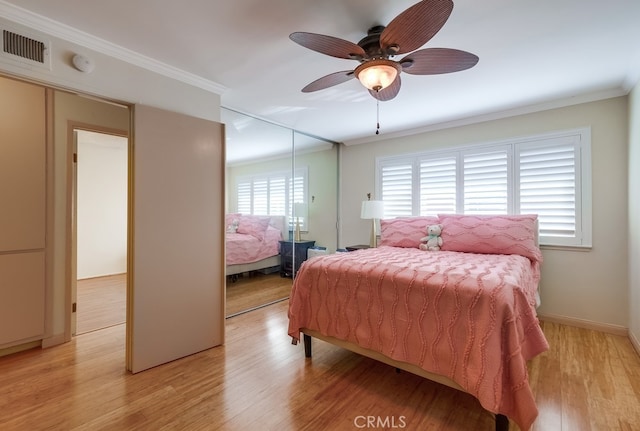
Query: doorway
[[101, 196]]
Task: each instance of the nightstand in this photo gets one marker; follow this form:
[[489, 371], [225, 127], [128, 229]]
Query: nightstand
[[287, 265], [357, 247]]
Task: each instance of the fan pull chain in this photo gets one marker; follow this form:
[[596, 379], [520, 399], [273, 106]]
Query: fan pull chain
[[377, 117]]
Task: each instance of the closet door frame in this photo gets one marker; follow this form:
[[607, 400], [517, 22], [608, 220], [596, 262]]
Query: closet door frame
[[72, 208]]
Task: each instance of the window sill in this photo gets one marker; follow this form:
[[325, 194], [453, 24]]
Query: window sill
[[581, 248]]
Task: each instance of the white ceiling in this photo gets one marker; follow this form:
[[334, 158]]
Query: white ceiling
[[532, 54]]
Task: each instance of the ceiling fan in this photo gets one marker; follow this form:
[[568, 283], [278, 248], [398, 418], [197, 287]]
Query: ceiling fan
[[405, 33]]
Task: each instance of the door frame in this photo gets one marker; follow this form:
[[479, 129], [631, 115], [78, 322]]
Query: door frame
[[72, 228]]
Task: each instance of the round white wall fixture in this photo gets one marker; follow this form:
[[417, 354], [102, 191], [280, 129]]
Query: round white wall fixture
[[82, 63]]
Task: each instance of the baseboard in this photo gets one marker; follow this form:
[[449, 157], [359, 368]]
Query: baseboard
[[634, 342], [19, 348], [100, 276], [44, 343], [586, 324], [53, 341]]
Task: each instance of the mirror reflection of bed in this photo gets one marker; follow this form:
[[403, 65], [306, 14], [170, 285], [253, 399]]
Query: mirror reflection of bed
[[270, 171], [254, 277]]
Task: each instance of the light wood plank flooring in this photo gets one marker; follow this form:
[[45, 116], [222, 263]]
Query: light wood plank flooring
[[101, 302], [255, 290], [259, 381]]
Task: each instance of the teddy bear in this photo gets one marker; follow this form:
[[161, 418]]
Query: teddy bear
[[233, 227], [433, 241]]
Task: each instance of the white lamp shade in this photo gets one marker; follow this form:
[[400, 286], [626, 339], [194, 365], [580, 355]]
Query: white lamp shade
[[300, 209], [372, 210]]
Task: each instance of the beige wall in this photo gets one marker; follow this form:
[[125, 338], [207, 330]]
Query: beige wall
[[634, 216], [586, 286], [323, 199]]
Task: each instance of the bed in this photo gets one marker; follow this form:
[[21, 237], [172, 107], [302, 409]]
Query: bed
[[464, 315], [252, 242]]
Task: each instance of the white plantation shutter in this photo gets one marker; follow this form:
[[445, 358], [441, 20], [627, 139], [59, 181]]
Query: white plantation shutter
[[546, 175], [548, 178], [486, 182], [396, 188], [272, 193], [298, 189], [297, 193], [278, 195], [438, 186], [260, 196], [244, 196]]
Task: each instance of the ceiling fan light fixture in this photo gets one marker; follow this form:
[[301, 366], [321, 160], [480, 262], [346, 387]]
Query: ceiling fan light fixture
[[378, 74]]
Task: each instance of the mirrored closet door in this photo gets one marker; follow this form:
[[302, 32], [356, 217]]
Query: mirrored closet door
[[281, 201]]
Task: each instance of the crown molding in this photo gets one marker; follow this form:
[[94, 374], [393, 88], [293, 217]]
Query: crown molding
[[53, 28], [496, 115]]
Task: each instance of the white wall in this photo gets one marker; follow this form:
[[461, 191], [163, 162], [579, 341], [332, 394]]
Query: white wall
[[634, 217], [102, 204], [587, 287]]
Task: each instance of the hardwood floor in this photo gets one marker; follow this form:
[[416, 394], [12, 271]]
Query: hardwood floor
[[255, 290], [259, 381], [102, 302]]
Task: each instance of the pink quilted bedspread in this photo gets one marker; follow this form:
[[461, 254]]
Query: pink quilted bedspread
[[242, 248], [469, 317]]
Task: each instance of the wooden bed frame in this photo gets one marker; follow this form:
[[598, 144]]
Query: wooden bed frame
[[254, 266], [502, 422]]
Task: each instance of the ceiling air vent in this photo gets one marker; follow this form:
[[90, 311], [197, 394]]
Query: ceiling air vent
[[25, 50]]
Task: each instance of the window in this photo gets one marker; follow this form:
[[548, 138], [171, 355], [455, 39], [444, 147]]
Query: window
[[273, 194], [547, 175]]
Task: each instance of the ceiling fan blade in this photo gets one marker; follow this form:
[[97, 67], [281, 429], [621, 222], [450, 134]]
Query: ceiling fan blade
[[328, 45], [387, 93], [415, 26], [434, 61], [329, 81]]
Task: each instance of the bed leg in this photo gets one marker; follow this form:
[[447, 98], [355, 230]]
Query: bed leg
[[307, 345], [502, 423]]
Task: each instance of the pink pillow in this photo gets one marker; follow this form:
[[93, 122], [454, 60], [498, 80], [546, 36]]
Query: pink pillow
[[405, 231], [253, 225], [494, 234]]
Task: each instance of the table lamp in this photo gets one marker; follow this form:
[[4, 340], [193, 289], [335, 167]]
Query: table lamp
[[372, 210], [300, 209]]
